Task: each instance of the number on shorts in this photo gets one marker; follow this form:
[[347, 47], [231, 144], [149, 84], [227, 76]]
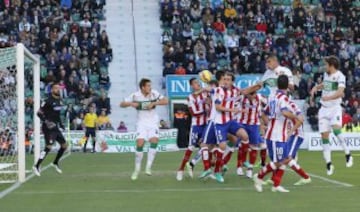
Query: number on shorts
[[279, 151]]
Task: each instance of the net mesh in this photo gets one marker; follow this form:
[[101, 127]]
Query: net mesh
[[9, 114]]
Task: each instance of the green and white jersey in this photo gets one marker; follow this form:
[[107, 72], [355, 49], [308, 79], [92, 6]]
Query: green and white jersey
[[145, 117], [270, 78], [331, 84]]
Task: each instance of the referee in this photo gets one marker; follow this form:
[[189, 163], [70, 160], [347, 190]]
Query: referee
[[90, 120]]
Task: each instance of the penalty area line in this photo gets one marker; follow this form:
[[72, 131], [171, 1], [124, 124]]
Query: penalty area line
[[18, 184], [336, 182]]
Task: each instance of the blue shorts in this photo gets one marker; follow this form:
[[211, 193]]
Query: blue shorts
[[196, 133], [253, 132], [278, 151], [222, 130], [294, 144], [208, 135]]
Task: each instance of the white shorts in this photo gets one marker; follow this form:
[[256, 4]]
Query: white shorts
[[146, 132], [328, 117]]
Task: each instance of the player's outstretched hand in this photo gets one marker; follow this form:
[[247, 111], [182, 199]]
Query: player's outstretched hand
[[134, 105], [151, 106]]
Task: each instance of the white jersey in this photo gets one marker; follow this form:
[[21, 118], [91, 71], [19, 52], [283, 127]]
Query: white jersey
[[145, 117], [197, 106], [278, 123], [270, 78], [331, 84]]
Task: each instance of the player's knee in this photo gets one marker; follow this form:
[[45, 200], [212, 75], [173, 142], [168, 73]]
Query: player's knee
[[222, 146], [64, 146]]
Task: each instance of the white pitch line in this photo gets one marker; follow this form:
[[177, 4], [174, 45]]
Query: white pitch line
[[18, 184], [153, 190], [330, 180]]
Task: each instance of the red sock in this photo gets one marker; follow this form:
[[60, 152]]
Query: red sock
[[300, 171], [239, 163], [219, 161], [278, 177], [227, 157], [252, 159], [206, 158], [185, 159], [263, 156], [244, 150], [264, 171], [211, 156]]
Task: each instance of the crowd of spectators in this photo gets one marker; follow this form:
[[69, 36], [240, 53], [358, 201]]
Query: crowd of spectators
[[74, 51], [236, 35]]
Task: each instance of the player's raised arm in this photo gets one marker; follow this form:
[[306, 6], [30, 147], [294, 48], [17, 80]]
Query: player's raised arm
[[338, 94], [252, 88]]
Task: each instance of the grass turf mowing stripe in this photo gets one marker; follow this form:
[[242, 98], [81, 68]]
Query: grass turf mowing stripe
[[157, 190]]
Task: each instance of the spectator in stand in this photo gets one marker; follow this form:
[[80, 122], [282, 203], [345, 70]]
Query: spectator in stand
[[103, 104], [164, 124], [122, 127], [346, 118], [312, 114], [103, 121]]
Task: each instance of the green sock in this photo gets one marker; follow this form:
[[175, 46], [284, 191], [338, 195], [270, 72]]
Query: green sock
[[153, 145], [139, 149], [337, 131], [230, 144], [325, 141]]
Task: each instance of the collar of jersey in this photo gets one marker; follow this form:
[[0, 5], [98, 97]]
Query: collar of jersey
[[280, 91]]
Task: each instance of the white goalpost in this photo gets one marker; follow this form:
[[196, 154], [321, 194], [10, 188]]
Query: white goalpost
[[17, 64]]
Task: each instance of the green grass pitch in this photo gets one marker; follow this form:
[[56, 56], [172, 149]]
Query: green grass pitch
[[101, 182]]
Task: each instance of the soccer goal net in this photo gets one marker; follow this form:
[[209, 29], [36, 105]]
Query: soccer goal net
[[19, 100]]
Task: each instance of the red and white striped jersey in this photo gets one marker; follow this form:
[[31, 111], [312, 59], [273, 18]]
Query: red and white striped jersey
[[296, 110], [250, 109], [197, 108], [227, 98], [278, 123]]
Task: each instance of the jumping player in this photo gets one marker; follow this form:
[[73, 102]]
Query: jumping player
[[49, 113], [197, 107], [279, 112], [330, 113]]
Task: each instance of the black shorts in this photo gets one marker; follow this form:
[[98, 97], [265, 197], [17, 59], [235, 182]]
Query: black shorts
[[90, 131], [53, 135]]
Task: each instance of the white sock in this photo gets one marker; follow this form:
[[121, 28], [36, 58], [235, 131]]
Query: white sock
[[197, 158], [327, 153], [343, 144], [150, 157], [293, 163], [227, 150], [138, 159]]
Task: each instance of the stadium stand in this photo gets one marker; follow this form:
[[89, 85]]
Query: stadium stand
[[74, 50], [237, 35]]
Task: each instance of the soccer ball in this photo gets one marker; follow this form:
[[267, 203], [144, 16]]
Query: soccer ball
[[205, 76]]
